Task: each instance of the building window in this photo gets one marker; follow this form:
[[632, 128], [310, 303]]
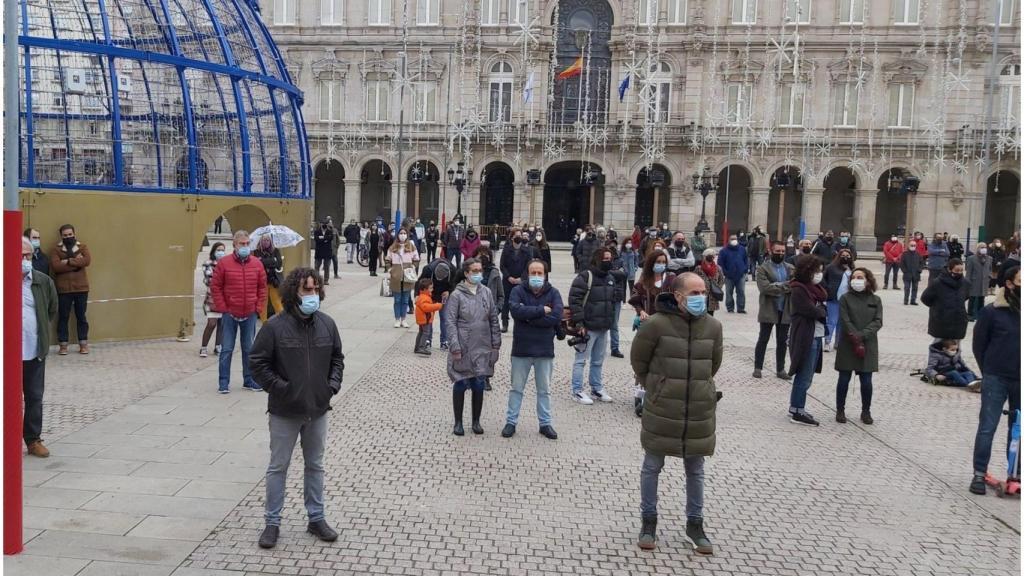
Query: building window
[[519, 12], [501, 92], [906, 12], [844, 108], [798, 11], [1006, 11], [489, 12], [428, 12], [377, 94], [737, 100], [851, 11], [332, 12], [284, 12], [378, 12], [426, 102], [1009, 95], [330, 100], [744, 11], [677, 12], [901, 105], [647, 12], [791, 106], [659, 93]]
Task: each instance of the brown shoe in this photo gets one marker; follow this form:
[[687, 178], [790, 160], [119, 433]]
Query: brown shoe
[[63, 350], [37, 449], [83, 348]]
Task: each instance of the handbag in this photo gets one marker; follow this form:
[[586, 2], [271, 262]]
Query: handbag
[[716, 292], [409, 275], [385, 287]]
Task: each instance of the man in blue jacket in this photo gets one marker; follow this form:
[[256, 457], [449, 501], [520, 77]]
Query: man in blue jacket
[[536, 307], [733, 261], [997, 352]]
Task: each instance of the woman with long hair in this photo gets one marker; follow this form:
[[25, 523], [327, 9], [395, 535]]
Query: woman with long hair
[[273, 263], [860, 319], [654, 280], [403, 259], [630, 264], [217, 252], [806, 332], [540, 246]]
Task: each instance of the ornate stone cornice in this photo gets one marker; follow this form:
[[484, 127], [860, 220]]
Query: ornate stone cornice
[[849, 68], [736, 69], [904, 69], [378, 65], [329, 67]]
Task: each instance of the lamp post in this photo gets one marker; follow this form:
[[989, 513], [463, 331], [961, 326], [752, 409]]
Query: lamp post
[[459, 178], [704, 183]]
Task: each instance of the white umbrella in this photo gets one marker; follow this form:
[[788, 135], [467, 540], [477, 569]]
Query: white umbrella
[[282, 236]]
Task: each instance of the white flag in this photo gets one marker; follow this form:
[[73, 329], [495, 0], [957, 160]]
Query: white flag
[[528, 90]]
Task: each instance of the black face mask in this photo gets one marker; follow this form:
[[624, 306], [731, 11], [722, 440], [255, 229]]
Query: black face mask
[[605, 266], [590, 235], [777, 258], [516, 241], [69, 242], [1016, 292], [806, 249], [709, 258], [844, 260], [679, 243]]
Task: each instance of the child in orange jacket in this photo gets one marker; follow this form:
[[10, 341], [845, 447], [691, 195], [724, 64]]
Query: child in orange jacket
[[425, 309]]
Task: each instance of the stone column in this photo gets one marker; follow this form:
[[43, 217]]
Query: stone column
[[812, 216], [353, 197], [759, 207], [520, 203], [864, 220], [536, 192]]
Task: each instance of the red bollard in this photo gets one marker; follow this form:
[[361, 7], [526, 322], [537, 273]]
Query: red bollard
[[13, 401]]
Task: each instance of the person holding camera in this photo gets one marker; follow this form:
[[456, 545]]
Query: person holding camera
[[592, 304]]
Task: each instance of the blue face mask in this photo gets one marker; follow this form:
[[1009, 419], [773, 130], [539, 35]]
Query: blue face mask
[[26, 267], [310, 304], [243, 252], [218, 254], [696, 305], [476, 278], [659, 268], [35, 242], [536, 282]]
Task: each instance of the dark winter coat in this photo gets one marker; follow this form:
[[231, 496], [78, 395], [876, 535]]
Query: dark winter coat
[[69, 275], [1011, 261], [453, 239], [832, 280], [44, 294], [432, 237], [675, 357], [584, 250], [806, 307], [299, 362], [947, 314], [533, 333], [771, 288], [599, 312], [860, 313], [471, 321], [492, 280], [323, 238], [273, 265], [910, 265], [646, 300], [41, 262], [956, 249], [352, 234], [997, 339], [979, 272], [441, 282], [825, 251], [680, 259], [733, 262], [941, 363], [239, 287], [514, 262]]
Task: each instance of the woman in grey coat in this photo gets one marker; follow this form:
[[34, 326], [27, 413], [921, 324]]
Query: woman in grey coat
[[979, 271], [474, 338]]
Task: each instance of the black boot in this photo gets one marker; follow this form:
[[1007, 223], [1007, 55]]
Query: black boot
[[648, 530], [478, 407], [458, 402]]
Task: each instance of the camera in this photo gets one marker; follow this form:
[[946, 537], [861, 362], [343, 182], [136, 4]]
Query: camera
[[579, 341]]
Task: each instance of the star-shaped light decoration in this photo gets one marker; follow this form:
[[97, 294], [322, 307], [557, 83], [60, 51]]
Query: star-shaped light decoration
[[694, 143], [860, 80], [1003, 143], [711, 136], [589, 175], [822, 150], [517, 157], [362, 135], [743, 152], [391, 153], [764, 138], [498, 136], [406, 81], [934, 129], [601, 136], [856, 164], [416, 171], [956, 82], [526, 35], [981, 160], [960, 167]]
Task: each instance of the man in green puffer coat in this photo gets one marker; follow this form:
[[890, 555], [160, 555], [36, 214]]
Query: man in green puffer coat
[[675, 356]]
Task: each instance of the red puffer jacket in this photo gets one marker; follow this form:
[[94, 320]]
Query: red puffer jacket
[[239, 287]]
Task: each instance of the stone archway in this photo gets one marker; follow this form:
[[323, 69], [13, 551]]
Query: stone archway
[[497, 193], [1002, 205], [375, 191], [838, 201], [891, 205], [732, 201], [570, 195], [329, 191], [785, 199], [423, 196], [653, 197]]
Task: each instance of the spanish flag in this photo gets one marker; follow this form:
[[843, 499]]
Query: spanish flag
[[575, 70]]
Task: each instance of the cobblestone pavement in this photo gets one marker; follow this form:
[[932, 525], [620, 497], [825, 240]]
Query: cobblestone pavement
[[410, 498]]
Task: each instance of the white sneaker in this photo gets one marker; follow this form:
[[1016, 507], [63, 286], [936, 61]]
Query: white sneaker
[[202, 352], [582, 397], [405, 324], [398, 324], [828, 346], [602, 396]]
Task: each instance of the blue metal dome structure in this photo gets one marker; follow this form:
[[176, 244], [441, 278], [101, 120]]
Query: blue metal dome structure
[[184, 96]]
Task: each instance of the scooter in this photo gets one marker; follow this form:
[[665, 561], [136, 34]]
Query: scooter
[[1011, 487]]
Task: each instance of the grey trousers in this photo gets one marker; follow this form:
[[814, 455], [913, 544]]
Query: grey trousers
[[653, 463], [283, 434]]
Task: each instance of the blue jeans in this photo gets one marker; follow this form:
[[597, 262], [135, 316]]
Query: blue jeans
[[843, 387], [736, 288], [542, 368], [653, 463], [401, 304], [804, 374], [596, 349], [283, 434], [247, 328], [831, 319], [995, 391], [615, 327], [960, 378]]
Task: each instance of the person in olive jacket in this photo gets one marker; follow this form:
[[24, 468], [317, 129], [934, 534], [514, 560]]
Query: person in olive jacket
[[946, 299], [297, 360], [676, 355], [592, 298], [860, 319]]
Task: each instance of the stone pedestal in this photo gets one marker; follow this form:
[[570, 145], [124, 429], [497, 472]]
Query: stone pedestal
[[812, 216], [864, 220]]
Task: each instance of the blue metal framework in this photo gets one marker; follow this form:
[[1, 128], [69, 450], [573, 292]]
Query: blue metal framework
[[180, 96]]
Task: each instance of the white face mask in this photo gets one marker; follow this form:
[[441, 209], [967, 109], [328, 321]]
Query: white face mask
[[734, 242], [858, 284], [817, 278], [403, 237], [982, 251]]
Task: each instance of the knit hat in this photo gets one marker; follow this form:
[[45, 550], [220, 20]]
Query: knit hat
[[709, 252]]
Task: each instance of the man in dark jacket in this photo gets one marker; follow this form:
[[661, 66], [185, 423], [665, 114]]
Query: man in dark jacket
[[584, 250], [757, 247], [946, 299], [733, 261], [297, 359], [537, 309], [323, 238], [514, 259], [432, 241], [351, 240], [592, 300], [444, 279], [38, 307], [824, 248], [452, 242], [680, 256], [40, 261], [997, 351], [239, 290], [773, 278], [910, 265], [938, 255], [675, 357]]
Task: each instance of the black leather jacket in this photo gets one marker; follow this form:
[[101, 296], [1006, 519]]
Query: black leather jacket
[[298, 361]]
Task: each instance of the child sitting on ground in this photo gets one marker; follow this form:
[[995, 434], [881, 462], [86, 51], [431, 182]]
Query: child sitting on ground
[[947, 367], [425, 309]]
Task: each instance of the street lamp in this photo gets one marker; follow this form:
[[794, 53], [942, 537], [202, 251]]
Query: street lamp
[[459, 178], [704, 183]]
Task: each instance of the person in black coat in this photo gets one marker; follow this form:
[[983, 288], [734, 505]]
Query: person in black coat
[[840, 268], [592, 301], [374, 248], [946, 299], [911, 265], [351, 234], [432, 236], [514, 260], [323, 237], [806, 330]]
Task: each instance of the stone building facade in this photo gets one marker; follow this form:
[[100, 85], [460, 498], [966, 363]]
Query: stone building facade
[[812, 115]]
